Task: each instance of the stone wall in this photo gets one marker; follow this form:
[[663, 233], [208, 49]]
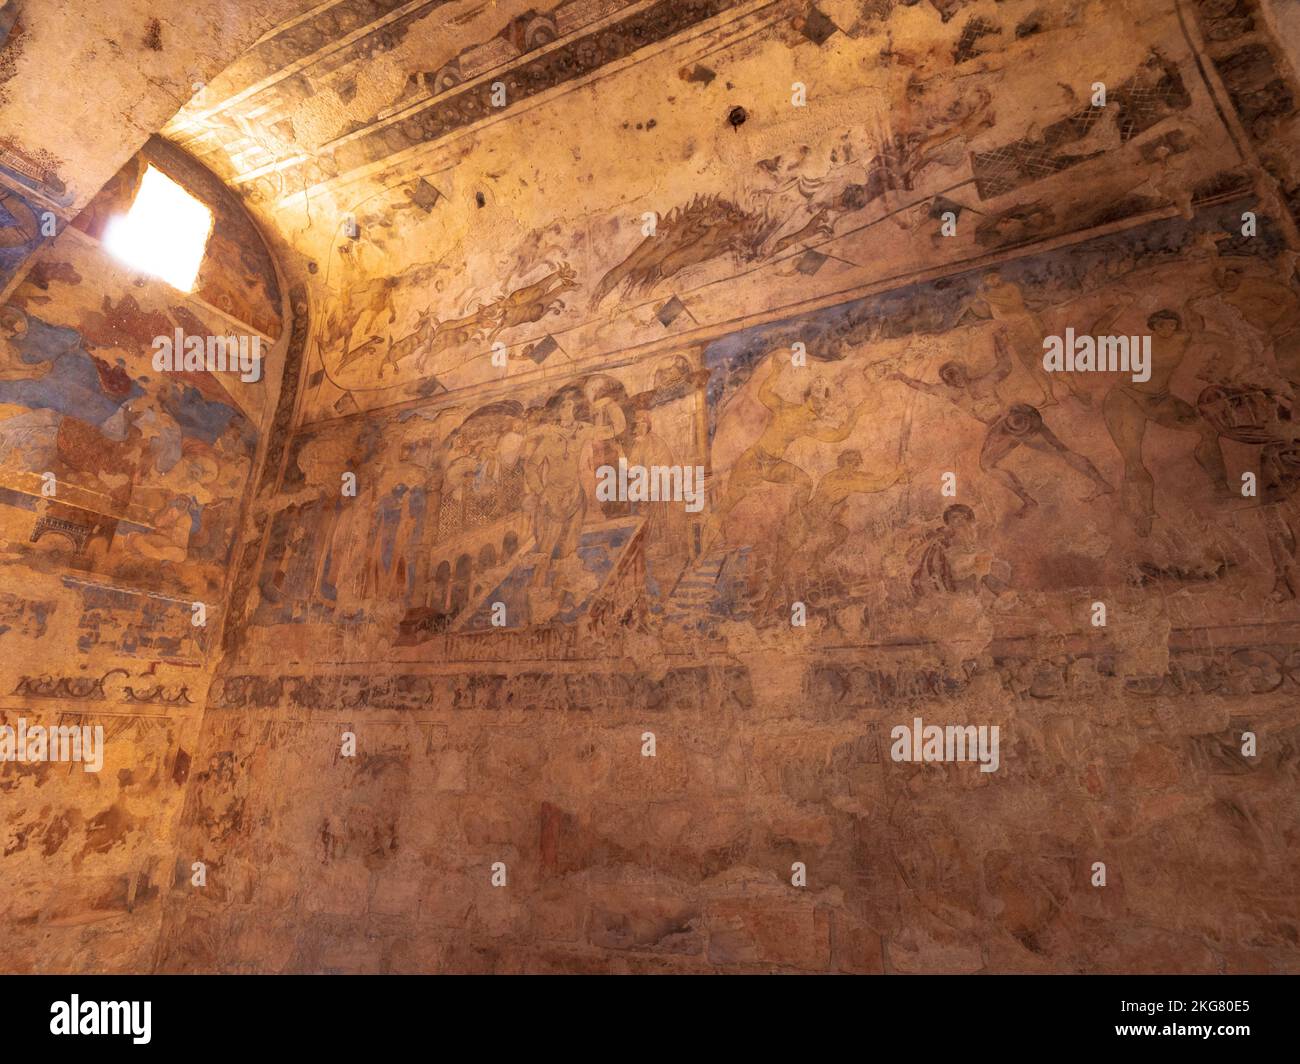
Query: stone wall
[[835, 312], [122, 490], [616, 862], [460, 708]]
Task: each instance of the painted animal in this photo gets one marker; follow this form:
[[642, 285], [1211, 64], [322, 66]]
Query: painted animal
[[410, 344], [532, 302], [821, 224], [705, 228], [456, 331], [431, 337]]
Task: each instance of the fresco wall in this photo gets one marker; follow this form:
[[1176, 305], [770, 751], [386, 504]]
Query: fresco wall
[[469, 234], [121, 493], [903, 515], [798, 264], [65, 142], [83, 86]]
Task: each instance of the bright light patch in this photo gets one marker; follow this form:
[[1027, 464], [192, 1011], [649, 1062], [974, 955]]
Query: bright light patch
[[164, 233]]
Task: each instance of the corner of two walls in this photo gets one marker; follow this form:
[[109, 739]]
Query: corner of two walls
[[115, 568], [524, 746]]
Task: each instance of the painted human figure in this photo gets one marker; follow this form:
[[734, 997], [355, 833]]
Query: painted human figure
[[947, 561], [1258, 416], [815, 531], [1270, 308], [177, 500], [1130, 406], [219, 519], [170, 538], [334, 517], [1009, 427], [1005, 303], [666, 525], [13, 333], [553, 473], [821, 519], [765, 461]]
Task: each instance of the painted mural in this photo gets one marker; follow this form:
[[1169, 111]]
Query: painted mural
[[467, 261], [21, 226], [111, 467], [1063, 484], [236, 276], [680, 368], [473, 368]]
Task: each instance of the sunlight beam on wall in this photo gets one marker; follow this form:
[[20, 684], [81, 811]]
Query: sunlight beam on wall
[[165, 232]]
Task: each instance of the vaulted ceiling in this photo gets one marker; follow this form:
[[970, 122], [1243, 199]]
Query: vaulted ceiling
[[586, 180], [82, 86]]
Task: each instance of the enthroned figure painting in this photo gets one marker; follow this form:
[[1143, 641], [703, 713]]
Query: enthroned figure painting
[[688, 487]]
